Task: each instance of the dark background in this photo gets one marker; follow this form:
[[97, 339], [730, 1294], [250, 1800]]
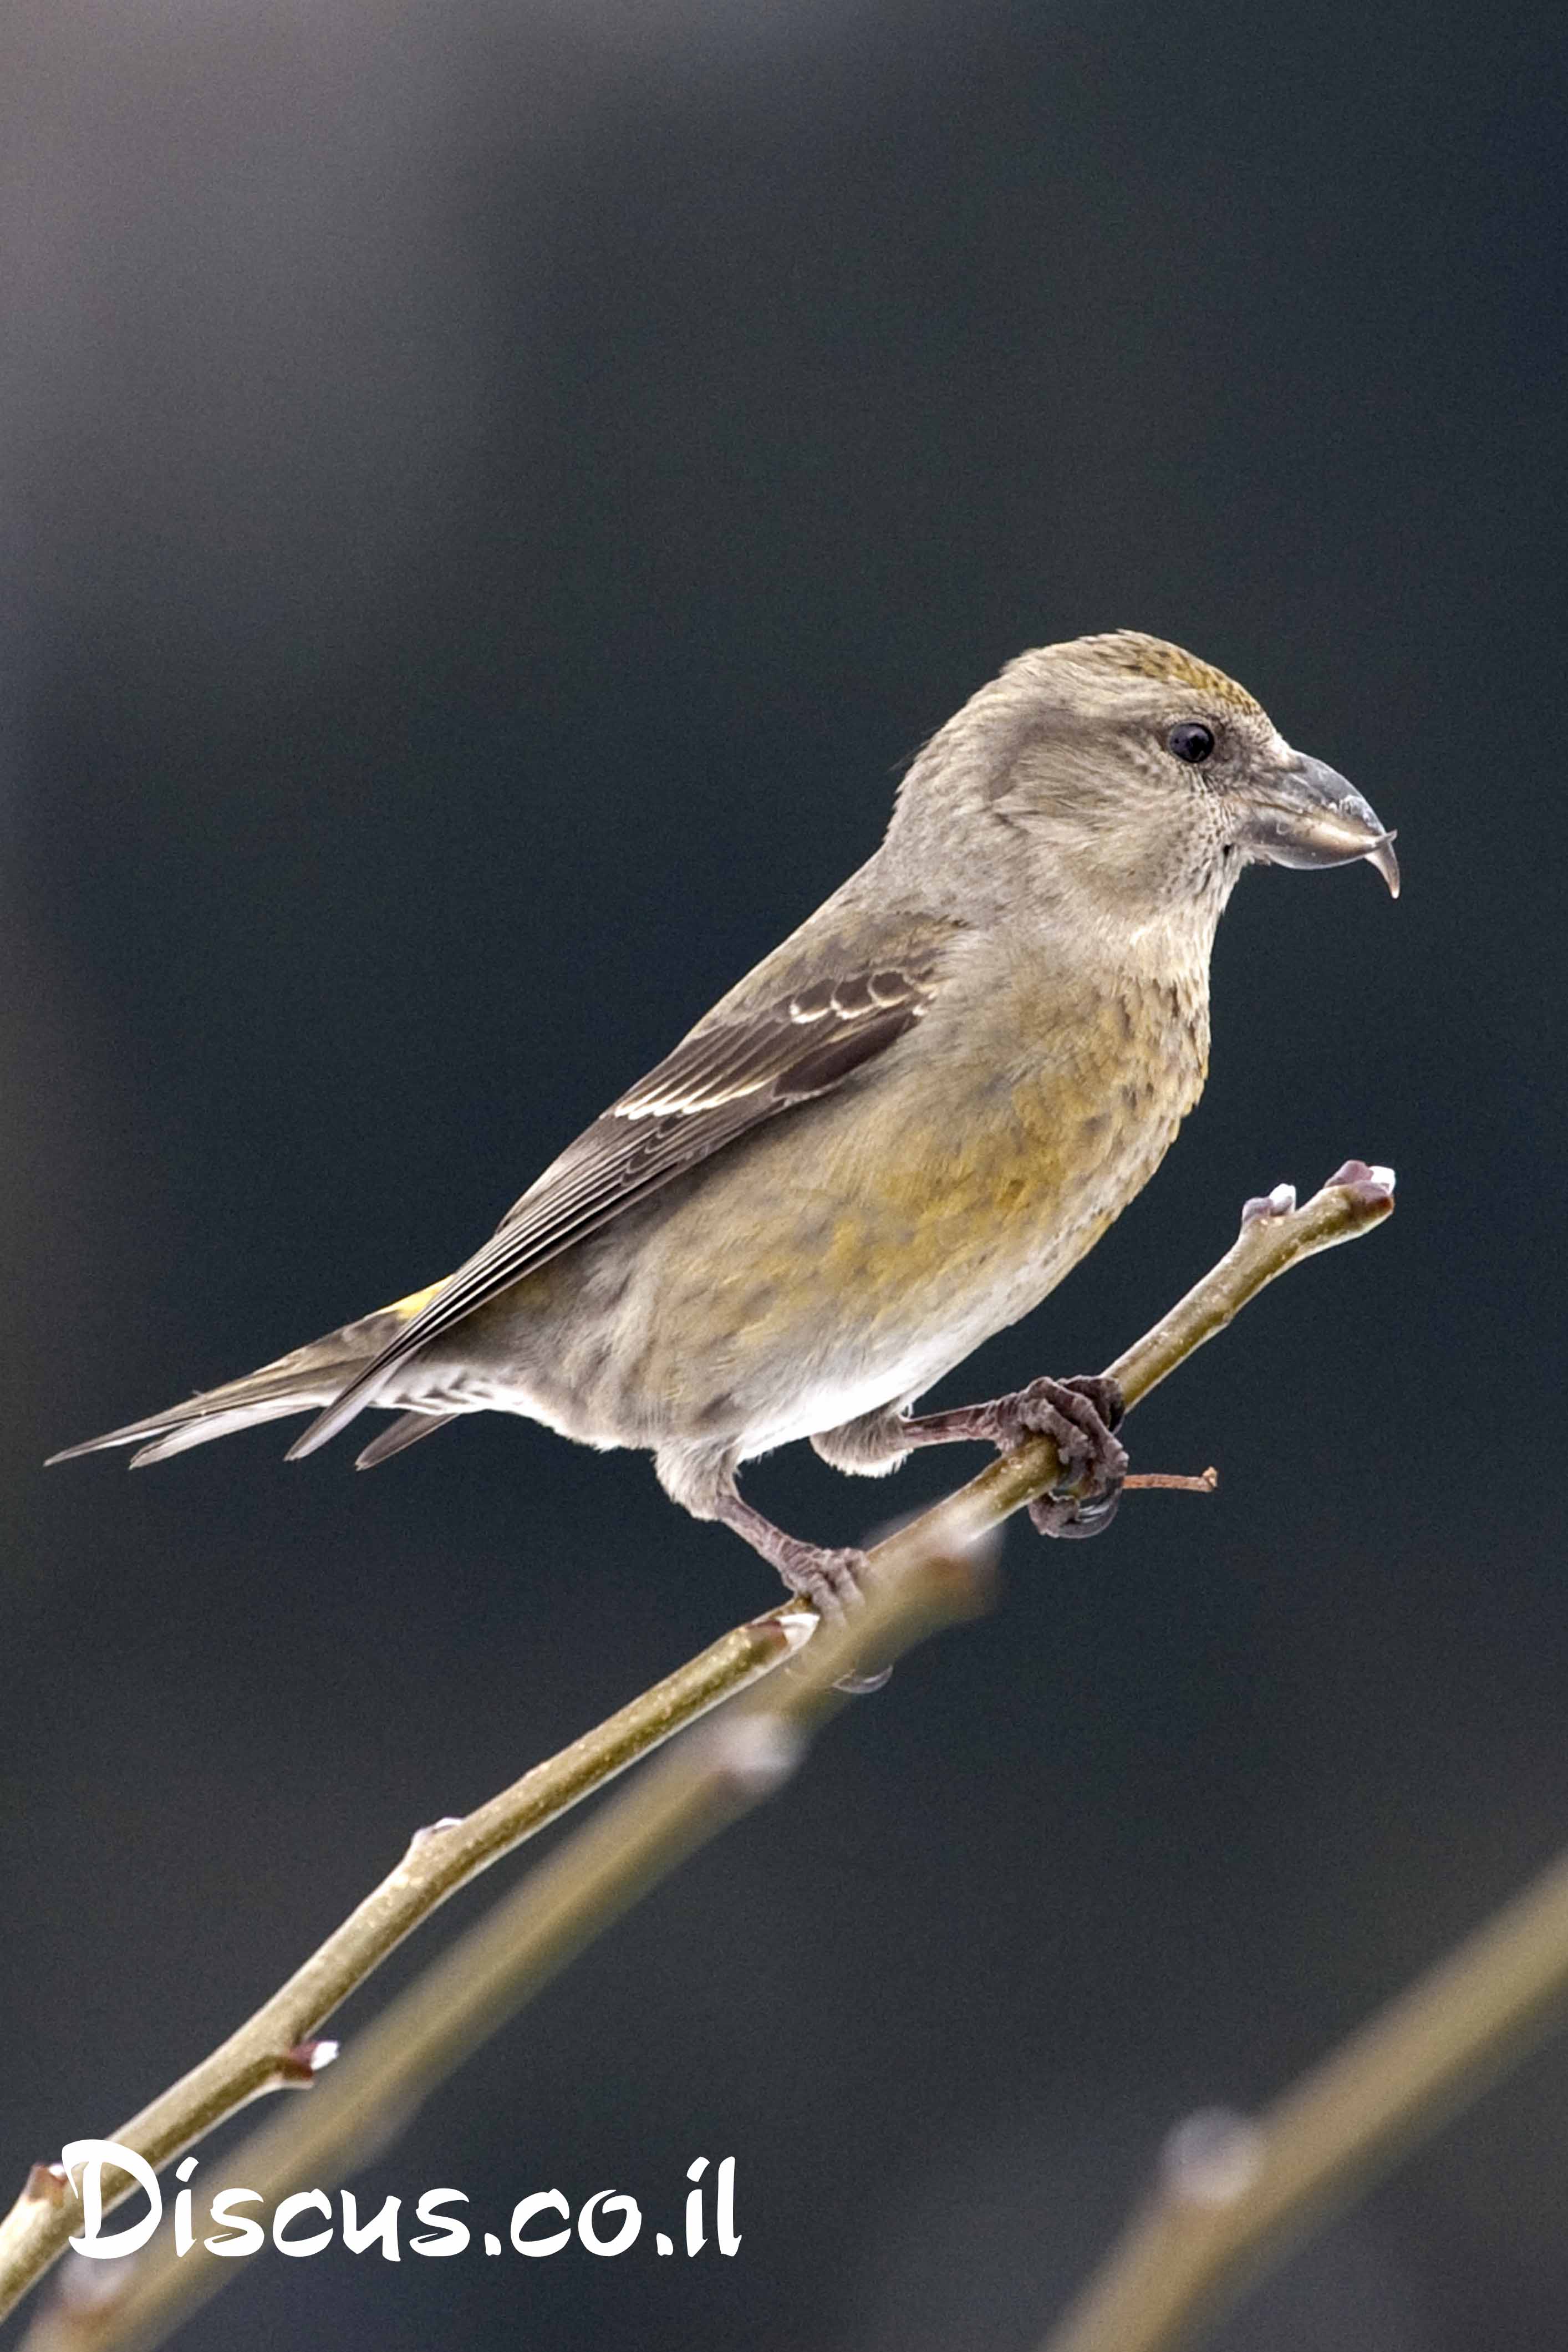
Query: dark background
[[493, 493]]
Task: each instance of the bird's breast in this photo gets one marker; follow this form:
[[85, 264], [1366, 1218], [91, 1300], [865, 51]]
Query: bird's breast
[[1013, 1166]]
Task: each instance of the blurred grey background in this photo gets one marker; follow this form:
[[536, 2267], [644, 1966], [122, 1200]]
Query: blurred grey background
[[492, 494]]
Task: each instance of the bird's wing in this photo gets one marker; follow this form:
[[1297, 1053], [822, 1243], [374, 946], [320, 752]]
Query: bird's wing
[[741, 1065]]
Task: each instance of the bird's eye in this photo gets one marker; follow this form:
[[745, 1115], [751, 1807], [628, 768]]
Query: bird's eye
[[1190, 741]]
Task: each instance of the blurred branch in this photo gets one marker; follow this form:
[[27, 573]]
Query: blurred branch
[[1234, 2195], [585, 1886]]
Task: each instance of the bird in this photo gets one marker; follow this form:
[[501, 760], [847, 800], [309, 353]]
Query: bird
[[893, 1138]]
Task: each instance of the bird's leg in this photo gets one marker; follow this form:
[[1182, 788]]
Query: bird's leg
[[829, 1580], [1079, 1417], [700, 1477]]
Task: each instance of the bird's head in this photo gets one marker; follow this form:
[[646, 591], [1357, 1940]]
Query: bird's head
[[1128, 770]]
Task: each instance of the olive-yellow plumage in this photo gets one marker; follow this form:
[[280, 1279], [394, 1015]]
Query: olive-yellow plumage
[[896, 1135]]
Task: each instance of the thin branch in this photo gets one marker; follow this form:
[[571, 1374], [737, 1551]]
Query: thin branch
[[1235, 2196], [273, 2048], [679, 1805], [1205, 1482]]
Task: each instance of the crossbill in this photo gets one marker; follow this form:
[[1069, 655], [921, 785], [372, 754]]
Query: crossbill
[[895, 1135]]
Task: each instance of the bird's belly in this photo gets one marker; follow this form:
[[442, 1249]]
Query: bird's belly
[[908, 1311]]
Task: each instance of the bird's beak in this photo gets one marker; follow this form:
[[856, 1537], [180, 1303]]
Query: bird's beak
[[1306, 815]]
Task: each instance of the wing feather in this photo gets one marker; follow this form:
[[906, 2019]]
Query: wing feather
[[735, 1070]]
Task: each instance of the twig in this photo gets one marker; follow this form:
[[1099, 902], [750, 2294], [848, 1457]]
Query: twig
[[1205, 1482], [1234, 2195], [677, 1806], [272, 2048]]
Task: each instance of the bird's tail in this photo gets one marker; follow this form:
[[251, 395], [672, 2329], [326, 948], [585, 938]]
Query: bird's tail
[[304, 1382]]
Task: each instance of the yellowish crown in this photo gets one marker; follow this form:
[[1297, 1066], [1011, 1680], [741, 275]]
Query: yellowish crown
[[1130, 650]]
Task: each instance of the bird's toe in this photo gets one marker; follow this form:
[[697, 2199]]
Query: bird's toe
[[1079, 1416], [833, 1581]]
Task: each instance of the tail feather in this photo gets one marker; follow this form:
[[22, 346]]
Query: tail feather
[[266, 1395], [408, 1430], [184, 1434], [304, 1382]]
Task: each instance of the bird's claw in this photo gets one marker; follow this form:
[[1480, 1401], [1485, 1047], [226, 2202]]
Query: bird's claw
[[1079, 1417]]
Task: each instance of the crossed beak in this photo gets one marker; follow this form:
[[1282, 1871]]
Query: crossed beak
[[1307, 815]]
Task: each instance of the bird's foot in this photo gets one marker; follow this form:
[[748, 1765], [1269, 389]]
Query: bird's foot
[[1079, 1417], [831, 1580]]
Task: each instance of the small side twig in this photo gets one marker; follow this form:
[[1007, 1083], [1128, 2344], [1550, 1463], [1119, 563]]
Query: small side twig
[[1275, 1234], [1206, 1482]]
